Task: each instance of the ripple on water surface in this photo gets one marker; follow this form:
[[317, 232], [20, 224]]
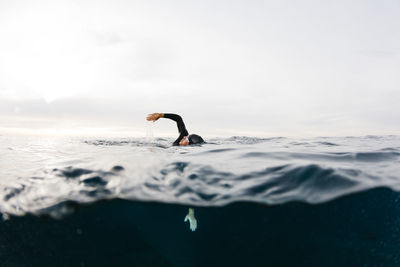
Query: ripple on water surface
[[39, 173]]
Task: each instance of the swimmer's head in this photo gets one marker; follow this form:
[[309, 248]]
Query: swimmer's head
[[195, 139]]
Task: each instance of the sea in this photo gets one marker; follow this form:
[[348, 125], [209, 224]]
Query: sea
[[321, 201]]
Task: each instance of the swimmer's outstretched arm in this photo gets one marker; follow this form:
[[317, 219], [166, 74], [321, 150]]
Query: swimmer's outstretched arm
[[178, 119], [192, 219]]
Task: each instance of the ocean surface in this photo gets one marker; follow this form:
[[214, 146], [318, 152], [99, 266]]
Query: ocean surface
[[325, 201]]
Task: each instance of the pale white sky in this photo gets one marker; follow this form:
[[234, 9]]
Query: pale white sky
[[267, 68]]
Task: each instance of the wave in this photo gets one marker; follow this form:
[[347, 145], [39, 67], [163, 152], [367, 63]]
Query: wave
[[223, 171], [334, 156], [205, 186]]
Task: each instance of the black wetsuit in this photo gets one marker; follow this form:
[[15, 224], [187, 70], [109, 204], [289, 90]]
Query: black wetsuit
[[193, 138]]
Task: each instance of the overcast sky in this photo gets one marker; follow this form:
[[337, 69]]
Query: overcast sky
[[264, 68]]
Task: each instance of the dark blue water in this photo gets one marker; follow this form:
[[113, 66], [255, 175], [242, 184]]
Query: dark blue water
[[257, 201]]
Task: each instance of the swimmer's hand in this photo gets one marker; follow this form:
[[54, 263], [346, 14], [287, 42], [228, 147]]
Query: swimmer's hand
[[184, 141], [192, 219], [154, 116]]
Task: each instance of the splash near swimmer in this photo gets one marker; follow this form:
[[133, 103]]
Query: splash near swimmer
[[149, 133]]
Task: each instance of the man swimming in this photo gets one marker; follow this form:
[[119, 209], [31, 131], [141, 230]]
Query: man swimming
[[184, 138]]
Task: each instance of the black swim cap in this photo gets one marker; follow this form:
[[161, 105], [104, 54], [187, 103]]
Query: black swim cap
[[195, 139]]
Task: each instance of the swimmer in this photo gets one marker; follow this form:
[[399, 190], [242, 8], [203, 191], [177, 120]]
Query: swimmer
[[184, 138]]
